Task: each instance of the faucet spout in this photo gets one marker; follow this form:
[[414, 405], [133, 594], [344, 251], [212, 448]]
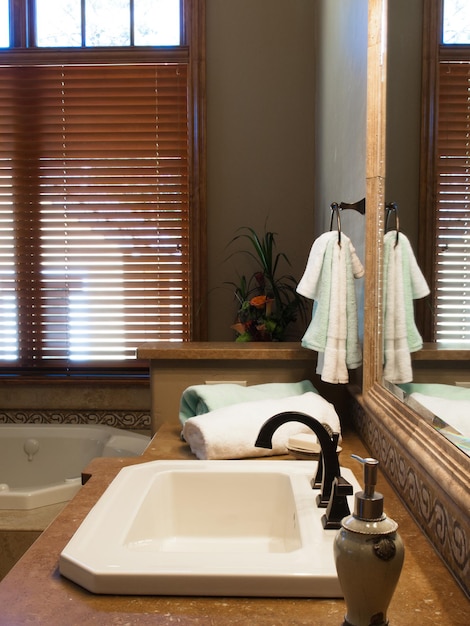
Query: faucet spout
[[328, 464]]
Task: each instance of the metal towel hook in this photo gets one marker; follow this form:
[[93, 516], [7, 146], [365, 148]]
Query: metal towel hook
[[335, 209], [359, 206], [392, 207]]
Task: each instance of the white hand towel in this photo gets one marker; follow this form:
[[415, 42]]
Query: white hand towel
[[334, 367], [397, 367], [231, 432], [311, 281]]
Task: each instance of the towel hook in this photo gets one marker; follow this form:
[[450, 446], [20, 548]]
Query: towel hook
[[392, 207], [359, 206], [335, 209]]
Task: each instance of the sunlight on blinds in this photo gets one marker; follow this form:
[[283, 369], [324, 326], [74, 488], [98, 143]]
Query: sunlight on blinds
[[453, 228], [98, 244]]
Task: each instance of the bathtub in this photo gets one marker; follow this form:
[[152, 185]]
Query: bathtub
[[41, 464]]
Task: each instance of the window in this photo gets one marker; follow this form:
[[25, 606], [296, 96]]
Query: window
[[100, 185], [456, 22], [4, 23], [446, 181]]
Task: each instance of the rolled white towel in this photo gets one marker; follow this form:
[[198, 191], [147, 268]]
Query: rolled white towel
[[230, 432]]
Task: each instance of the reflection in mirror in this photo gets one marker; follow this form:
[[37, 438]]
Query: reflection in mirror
[[429, 473], [415, 57], [445, 407]]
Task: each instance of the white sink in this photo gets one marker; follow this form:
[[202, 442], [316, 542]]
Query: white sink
[[212, 528]]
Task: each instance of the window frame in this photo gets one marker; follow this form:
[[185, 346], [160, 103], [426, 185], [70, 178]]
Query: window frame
[[193, 44]]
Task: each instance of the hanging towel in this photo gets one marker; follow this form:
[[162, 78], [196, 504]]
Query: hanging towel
[[230, 432], [317, 286], [311, 281], [199, 399], [403, 282], [334, 364], [414, 287], [333, 330], [397, 366]]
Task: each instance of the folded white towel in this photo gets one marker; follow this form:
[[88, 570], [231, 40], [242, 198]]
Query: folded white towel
[[231, 432], [199, 399]]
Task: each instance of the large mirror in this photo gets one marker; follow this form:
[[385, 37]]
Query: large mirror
[[440, 372], [429, 472]]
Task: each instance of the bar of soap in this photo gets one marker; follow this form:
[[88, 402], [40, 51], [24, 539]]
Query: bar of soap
[[304, 442]]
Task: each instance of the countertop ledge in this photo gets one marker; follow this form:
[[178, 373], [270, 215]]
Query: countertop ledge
[[224, 350], [35, 593]]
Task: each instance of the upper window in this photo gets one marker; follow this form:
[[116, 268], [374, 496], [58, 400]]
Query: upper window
[[456, 22], [90, 23], [96, 184], [4, 23]]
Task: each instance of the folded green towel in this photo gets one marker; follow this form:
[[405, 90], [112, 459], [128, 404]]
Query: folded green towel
[[200, 399]]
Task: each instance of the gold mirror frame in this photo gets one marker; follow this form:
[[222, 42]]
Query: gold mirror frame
[[431, 475]]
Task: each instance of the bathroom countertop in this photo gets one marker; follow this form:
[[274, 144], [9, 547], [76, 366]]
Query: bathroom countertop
[[35, 593]]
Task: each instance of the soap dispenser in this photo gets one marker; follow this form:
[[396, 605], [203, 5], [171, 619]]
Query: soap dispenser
[[368, 555]]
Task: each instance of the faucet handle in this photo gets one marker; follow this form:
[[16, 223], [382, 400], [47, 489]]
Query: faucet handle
[[317, 481], [338, 506]]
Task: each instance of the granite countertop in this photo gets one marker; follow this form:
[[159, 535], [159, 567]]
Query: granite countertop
[[35, 593]]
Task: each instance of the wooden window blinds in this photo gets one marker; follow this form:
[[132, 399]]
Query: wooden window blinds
[[452, 261], [94, 211]]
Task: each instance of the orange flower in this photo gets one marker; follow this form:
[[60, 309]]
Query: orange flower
[[260, 301], [239, 327]]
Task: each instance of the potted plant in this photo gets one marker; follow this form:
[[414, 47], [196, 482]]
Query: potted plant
[[267, 302]]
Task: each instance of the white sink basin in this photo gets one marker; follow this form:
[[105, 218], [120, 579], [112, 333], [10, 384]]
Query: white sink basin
[[212, 528]]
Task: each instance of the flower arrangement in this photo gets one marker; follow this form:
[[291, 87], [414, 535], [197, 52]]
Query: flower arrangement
[[267, 303]]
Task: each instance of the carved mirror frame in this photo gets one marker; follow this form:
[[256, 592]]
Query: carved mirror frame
[[431, 475]]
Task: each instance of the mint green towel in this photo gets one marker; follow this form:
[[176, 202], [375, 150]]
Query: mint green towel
[[200, 399], [440, 390], [317, 331]]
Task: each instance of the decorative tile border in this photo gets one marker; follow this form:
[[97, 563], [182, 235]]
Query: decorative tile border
[[427, 494], [134, 420]]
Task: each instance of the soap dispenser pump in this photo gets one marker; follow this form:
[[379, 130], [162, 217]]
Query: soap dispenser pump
[[368, 554]]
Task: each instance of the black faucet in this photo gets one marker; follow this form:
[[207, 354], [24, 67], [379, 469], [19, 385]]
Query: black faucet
[[334, 488]]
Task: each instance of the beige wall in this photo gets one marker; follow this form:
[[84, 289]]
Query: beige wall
[[260, 132]]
